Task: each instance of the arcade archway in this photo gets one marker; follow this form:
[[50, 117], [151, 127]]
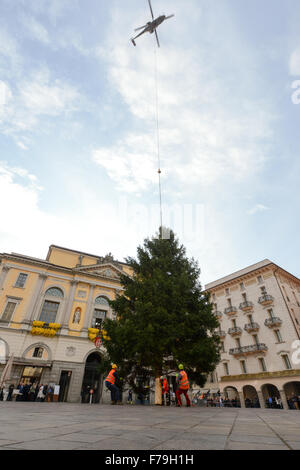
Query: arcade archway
[[92, 379]]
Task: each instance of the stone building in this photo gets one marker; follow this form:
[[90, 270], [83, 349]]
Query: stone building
[[259, 313], [50, 313]]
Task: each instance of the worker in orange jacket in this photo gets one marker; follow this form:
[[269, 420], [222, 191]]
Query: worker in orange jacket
[[183, 386], [111, 385], [165, 390]]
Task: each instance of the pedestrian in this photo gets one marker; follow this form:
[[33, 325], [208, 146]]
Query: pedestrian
[[165, 390], [45, 392], [26, 390], [111, 385], [50, 393], [40, 395], [1, 394], [183, 386], [129, 398], [20, 396], [173, 398], [10, 392], [32, 391]]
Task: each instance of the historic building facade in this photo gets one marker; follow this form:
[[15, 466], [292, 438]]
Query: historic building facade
[[50, 314], [259, 313]]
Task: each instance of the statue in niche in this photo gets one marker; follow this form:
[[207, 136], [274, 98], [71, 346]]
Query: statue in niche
[[77, 315]]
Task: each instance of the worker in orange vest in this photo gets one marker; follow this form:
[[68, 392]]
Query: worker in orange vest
[[110, 383], [183, 386], [165, 390]]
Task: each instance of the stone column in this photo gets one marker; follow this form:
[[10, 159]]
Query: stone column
[[261, 399], [3, 275], [88, 311], [36, 299], [284, 400], [68, 308], [242, 399]]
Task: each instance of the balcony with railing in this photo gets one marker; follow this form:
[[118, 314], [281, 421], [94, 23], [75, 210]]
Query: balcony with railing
[[251, 327], [221, 334], [246, 306], [218, 314], [230, 310], [248, 350], [266, 299], [273, 321], [235, 331]]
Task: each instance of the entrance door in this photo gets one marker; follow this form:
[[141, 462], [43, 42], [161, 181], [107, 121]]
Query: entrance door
[[64, 383], [91, 379]]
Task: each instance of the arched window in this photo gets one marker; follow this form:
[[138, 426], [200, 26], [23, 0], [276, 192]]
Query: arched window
[[50, 308], [55, 292], [102, 300], [100, 311]]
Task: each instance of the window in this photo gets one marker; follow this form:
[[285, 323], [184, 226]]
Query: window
[[278, 336], [262, 364], [255, 337], [222, 347], [38, 352], [21, 280], [250, 318], [49, 311], [286, 361], [233, 323], [238, 342], [263, 290], [243, 367], [9, 311], [226, 368], [211, 377], [102, 300], [55, 292], [242, 286], [270, 312], [259, 279], [229, 302], [214, 296], [98, 318], [244, 297], [227, 291]]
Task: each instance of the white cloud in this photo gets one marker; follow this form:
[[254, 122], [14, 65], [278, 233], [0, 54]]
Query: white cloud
[[33, 98], [258, 208], [35, 29], [294, 62]]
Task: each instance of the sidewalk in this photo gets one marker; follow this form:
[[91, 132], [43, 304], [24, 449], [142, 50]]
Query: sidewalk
[[64, 426]]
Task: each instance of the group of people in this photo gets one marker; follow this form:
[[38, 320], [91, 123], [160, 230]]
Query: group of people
[[29, 392], [294, 402], [167, 396]]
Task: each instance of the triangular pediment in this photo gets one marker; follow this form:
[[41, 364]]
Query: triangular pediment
[[104, 270]]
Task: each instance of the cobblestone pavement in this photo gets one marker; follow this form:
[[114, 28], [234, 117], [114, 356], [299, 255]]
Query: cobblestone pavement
[[66, 426]]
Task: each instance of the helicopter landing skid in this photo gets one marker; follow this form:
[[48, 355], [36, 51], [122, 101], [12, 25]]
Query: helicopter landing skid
[[133, 42]]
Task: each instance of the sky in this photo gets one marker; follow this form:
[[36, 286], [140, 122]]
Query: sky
[[79, 108]]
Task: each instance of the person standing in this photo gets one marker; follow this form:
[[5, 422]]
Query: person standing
[[110, 383], [10, 392], [183, 386], [165, 389]]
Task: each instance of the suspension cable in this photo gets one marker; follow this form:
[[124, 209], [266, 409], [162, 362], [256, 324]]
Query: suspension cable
[[157, 136]]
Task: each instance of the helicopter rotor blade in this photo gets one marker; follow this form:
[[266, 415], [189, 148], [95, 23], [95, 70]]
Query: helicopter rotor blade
[[157, 38], [149, 1], [141, 27], [167, 17]]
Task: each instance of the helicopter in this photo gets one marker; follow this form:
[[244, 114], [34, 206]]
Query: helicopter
[[151, 26]]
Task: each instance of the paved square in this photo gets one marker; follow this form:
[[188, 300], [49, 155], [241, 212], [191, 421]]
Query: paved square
[[66, 426]]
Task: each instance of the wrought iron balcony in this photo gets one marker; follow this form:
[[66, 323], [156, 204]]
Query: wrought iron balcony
[[230, 310], [251, 327], [273, 321], [247, 350], [221, 334], [246, 306], [266, 299], [218, 313], [236, 331]]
